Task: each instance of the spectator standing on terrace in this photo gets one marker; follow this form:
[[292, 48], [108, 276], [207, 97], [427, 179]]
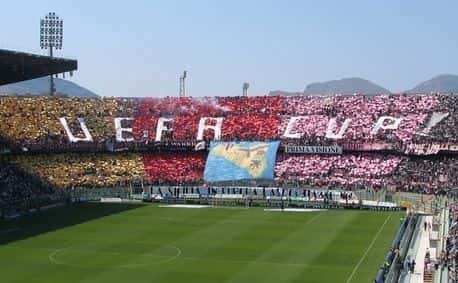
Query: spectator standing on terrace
[[412, 266], [408, 263]]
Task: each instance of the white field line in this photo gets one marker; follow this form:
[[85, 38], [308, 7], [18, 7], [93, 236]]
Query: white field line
[[230, 207], [368, 249], [313, 218], [293, 210], [167, 259], [184, 206]]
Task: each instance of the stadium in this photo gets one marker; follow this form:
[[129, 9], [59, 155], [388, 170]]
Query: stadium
[[360, 173], [270, 188]]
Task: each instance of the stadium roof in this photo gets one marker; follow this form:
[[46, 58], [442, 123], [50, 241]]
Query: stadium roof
[[20, 66]]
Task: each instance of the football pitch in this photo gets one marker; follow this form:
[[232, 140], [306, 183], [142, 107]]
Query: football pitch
[[96, 242]]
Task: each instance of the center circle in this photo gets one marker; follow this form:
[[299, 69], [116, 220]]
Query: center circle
[[113, 259]]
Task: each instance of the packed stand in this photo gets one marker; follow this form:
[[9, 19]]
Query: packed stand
[[348, 171], [83, 170], [20, 191], [431, 175], [33, 122], [363, 111], [173, 168], [447, 130]]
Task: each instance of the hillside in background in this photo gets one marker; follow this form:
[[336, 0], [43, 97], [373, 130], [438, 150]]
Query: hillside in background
[[345, 86], [41, 86], [285, 93], [446, 83], [442, 83]]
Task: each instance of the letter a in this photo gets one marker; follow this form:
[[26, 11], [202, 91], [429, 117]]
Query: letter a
[[216, 128]]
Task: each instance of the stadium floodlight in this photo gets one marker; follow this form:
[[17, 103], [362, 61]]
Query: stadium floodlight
[[51, 36], [245, 88], [182, 85]]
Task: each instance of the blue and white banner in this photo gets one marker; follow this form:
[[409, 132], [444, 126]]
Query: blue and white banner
[[230, 161]]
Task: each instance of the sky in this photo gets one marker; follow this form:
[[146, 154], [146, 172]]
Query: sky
[[140, 47]]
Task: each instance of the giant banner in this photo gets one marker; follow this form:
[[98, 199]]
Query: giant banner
[[230, 161], [356, 123]]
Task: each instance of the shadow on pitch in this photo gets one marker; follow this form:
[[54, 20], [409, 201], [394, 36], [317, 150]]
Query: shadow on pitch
[[57, 218]]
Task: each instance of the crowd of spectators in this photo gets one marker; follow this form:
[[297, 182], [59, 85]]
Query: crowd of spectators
[[345, 170], [83, 170], [435, 174], [447, 129], [184, 168], [27, 121], [32, 122], [363, 112], [431, 175], [20, 190]]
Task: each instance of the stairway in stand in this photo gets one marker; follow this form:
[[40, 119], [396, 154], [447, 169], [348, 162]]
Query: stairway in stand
[[428, 277]]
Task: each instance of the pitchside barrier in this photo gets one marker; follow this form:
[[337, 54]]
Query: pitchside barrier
[[265, 197], [390, 270], [96, 194], [219, 195]]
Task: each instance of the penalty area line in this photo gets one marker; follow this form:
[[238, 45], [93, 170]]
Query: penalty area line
[[368, 249], [313, 218]]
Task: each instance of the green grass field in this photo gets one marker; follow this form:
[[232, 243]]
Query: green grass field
[[95, 242]]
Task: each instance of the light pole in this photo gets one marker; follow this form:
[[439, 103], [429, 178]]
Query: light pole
[[245, 89], [51, 36], [182, 85]]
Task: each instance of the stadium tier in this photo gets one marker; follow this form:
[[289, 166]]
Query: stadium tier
[[413, 124], [355, 171], [335, 141]]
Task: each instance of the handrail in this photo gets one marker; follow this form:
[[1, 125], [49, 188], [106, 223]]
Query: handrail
[[394, 272]]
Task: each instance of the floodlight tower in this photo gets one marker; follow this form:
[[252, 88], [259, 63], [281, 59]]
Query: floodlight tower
[[245, 89], [51, 36], [182, 85]]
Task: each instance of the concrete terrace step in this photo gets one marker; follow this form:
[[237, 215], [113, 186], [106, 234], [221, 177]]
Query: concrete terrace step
[[428, 277]]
